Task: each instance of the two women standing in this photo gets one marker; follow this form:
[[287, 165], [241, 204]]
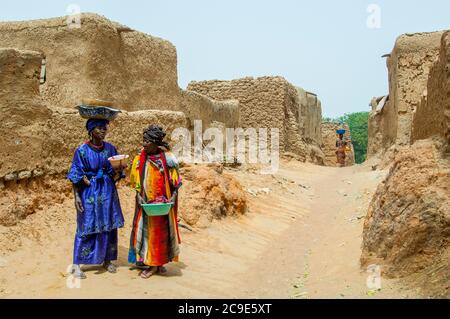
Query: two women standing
[[155, 177]]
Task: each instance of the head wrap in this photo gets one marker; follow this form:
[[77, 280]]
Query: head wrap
[[93, 123], [155, 134]]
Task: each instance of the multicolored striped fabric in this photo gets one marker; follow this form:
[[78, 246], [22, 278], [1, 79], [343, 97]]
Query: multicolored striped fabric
[[154, 240]]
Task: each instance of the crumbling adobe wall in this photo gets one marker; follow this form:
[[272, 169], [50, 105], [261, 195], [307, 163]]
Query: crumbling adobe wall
[[39, 140], [197, 106], [66, 130], [375, 134], [310, 115], [102, 59], [41, 129], [409, 66], [382, 125], [432, 117], [261, 100], [267, 102], [209, 193], [22, 112], [55, 139], [150, 71], [329, 137], [407, 228]]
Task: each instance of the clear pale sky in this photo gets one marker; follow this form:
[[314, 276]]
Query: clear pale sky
[[323, 46]]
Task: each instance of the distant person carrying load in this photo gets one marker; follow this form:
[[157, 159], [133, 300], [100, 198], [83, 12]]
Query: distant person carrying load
[[341, 146]]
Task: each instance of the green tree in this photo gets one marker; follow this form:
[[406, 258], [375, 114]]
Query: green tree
[[358, 123]]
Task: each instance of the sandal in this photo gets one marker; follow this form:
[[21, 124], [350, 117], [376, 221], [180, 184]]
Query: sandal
[[78, 273], [110, 267], [147, 273]]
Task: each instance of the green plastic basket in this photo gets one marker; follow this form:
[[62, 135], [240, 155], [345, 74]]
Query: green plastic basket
[[160, 209]]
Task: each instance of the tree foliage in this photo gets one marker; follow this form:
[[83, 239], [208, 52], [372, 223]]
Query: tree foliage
[[358, 123]]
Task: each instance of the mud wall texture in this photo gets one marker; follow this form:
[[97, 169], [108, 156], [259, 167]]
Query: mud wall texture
[[409, 66], [310, 116], [407, 228], [432, 117], [270, 102], [55, 139], [102, 60], [209, 193], [197, 106], [375, 135], [382, 128], [38, 140], [329, 137], [53, 144], [22, 112]]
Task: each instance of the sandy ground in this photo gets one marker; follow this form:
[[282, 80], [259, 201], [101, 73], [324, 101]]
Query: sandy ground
[[300, 239]]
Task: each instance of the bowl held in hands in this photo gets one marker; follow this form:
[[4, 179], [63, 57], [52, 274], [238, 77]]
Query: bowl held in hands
[[159, 209], [118, 161]]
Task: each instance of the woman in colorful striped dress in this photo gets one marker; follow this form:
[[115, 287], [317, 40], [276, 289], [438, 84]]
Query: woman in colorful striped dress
[[155, 177]]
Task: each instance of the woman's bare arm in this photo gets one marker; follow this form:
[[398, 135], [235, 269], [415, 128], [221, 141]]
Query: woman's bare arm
[[78, 202]]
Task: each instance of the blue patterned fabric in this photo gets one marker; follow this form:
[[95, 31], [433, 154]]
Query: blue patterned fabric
[[95, 249], [102, 211]]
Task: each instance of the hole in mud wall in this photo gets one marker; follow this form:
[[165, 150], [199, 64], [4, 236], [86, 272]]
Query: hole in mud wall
[[43, 76]]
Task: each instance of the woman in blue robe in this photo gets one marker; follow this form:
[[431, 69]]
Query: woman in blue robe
[[99, 214]]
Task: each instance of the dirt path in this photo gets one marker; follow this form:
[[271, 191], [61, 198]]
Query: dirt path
[[300, 239], [318, 255]]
